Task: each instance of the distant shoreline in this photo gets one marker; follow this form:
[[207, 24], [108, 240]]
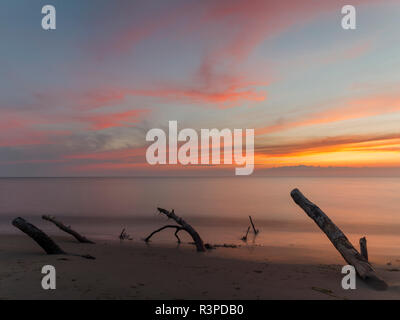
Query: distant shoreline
[[301, 171]]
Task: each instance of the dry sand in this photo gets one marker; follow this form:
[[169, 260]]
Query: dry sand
[[134, 270]]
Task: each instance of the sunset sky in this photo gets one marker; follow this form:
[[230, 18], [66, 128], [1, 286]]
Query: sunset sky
[[79, 100]]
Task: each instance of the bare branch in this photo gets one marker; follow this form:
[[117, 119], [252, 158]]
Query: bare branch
[[256, 231], [178, 228], [67, 229], [244, 238]]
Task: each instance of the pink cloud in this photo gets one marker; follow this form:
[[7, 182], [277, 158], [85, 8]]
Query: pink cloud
[[123, 154], [109, 120], [20, 128]]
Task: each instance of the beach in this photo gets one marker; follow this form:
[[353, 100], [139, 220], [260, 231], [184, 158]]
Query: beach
[[290, 258], [135, 270]]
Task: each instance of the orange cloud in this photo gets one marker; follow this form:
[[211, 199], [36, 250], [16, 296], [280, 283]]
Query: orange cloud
[[378, 150], [355, 109], [330, 144]]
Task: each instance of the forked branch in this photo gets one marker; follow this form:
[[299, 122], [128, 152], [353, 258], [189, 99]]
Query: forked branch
[[178, 228], [182, 225]]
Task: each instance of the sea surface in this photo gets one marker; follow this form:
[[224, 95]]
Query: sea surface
[[218, 208]]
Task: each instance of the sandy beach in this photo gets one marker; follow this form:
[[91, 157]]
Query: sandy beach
[[134, 270]]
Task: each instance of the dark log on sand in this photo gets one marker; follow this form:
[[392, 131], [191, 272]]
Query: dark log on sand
[[363, 248], [340, 241], [178, 228], [38, 235], [252, 224], [67, 229], [182, 225], [42, 239]]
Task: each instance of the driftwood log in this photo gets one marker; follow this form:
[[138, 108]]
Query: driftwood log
[[340, 241], [363, 248], [182, 225], [42, 239], [67, 229]]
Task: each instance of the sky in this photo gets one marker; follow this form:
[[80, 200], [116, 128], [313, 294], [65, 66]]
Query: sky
[[79, 100]]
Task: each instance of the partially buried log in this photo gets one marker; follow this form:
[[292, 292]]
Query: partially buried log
[[38, 235], [340, 241], [182, 225], [67, 229], [363, 248], [42, 239]]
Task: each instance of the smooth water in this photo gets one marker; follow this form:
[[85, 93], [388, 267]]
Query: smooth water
[[217, 207]]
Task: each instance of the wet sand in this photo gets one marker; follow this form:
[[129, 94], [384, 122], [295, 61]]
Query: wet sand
[[134, 270]]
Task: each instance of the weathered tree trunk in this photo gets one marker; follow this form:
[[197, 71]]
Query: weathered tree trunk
[[340, 241], [38, 235], [67, 229], [363, 248], [187, 227]]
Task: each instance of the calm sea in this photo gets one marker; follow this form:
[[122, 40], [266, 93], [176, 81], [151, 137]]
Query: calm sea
[[217, 207]]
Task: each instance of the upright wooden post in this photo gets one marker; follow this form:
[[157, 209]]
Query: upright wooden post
[[363, 248]]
